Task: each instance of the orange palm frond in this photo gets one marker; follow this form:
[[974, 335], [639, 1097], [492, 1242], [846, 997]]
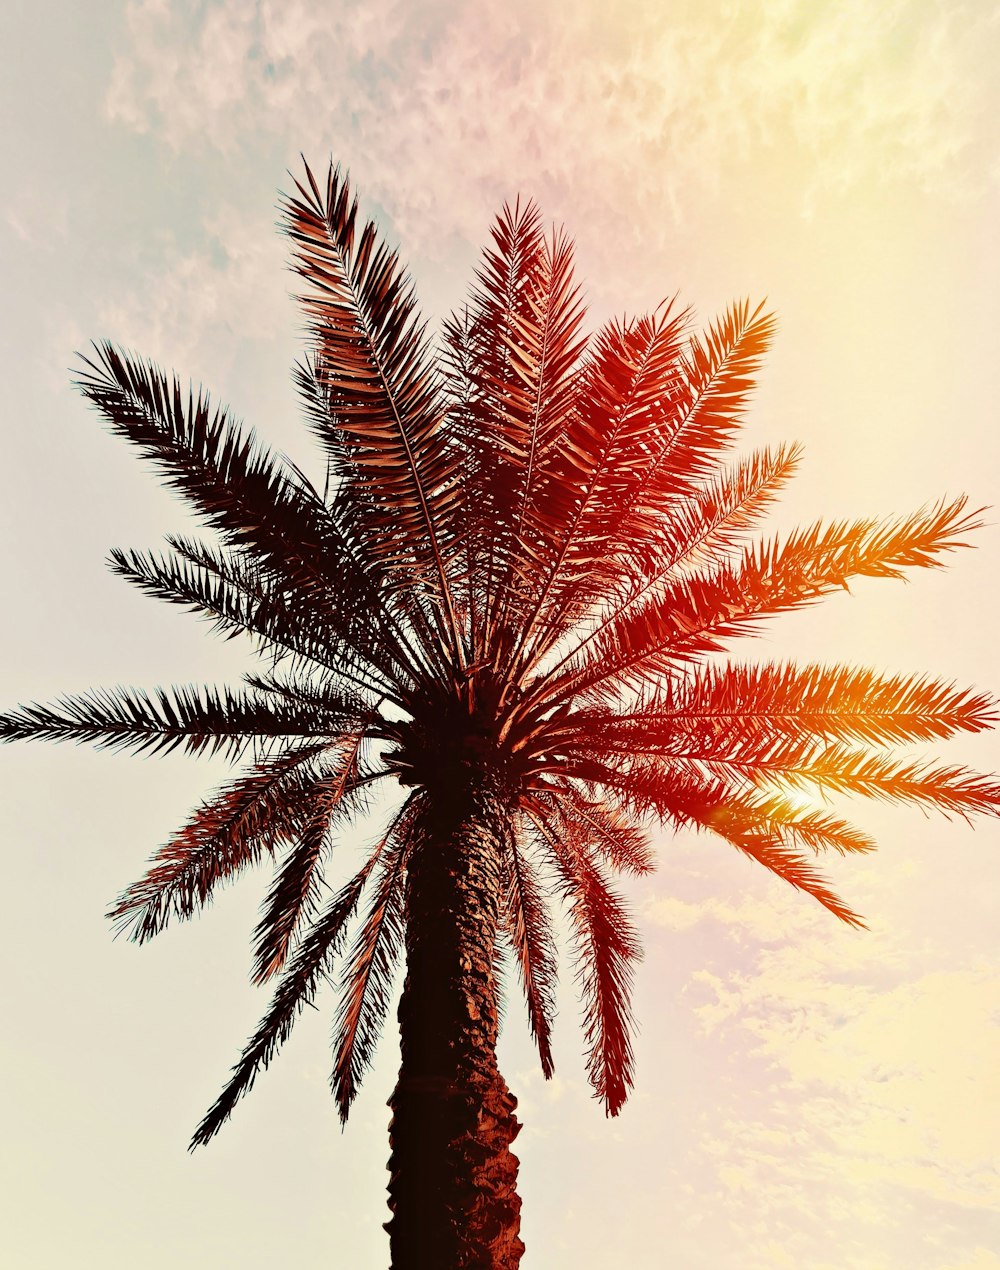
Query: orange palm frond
[[719, 704], [795, 869], [694, 616], [948, 788]]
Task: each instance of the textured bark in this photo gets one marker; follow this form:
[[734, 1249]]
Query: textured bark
[[452, 1187]]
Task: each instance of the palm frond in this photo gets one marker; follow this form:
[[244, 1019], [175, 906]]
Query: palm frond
[[240, 489], [296, 989], [795, 869], [385, 404], [795, 826], [484, 384], [695, 532], [718, 377], [606, 949], [408, 611], [225, 835], [292, 897], [764, 827], [719, 707], [367, 975], [199, 720], [694, 616], [622, 842], [255, 501], [948, 788], [535, 390], [703, 529], [534, 947], [239, 599], [626, 387]]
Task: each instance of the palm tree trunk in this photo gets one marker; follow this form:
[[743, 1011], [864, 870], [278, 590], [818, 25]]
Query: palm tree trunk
[[453, 1177]]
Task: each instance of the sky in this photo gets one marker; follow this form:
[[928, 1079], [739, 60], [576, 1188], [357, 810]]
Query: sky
[[807, 1095]]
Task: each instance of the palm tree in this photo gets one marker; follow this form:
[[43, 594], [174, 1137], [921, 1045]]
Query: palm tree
[[502, 613]]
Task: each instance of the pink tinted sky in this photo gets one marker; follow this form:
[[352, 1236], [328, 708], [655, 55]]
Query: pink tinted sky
[[807, 1096]]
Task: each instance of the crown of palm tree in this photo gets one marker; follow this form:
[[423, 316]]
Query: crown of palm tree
[[529, 546]]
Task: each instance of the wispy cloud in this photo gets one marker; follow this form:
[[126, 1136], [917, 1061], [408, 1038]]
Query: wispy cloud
[[230, 289], [443, 111], [879, 1118]]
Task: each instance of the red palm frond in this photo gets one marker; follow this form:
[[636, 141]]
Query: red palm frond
[[703, 529], [534, 947], [615, 836], [367, 975], [625, 390], [225, 835], [606, 949], [696, 531], [718, 378]]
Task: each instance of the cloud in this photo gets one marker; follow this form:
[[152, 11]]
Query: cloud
[[854, 1108], [632, 128], [880, 1114], [630, 111], [229, 289]]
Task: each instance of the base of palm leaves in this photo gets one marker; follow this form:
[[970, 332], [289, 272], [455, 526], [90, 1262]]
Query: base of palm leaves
[[499, 613]]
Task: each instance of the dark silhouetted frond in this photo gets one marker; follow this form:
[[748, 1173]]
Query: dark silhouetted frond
[[198, 720], [386, 408], [534, 947], [292, 897], [296, 989], [227, 833], [367, 975]]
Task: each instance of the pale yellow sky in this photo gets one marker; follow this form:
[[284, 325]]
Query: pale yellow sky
[[807, 1096]]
